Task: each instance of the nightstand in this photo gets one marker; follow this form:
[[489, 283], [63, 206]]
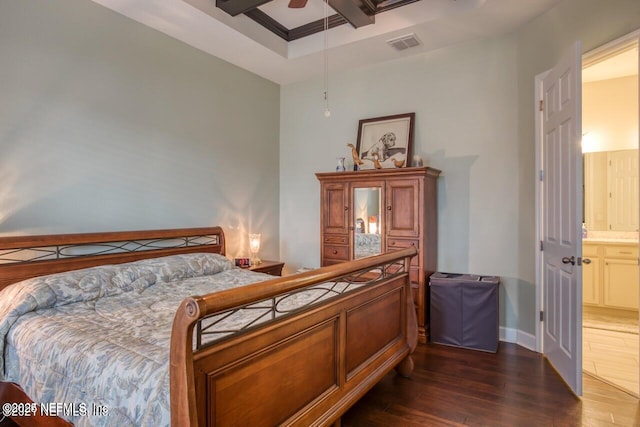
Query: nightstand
[[273, 268]]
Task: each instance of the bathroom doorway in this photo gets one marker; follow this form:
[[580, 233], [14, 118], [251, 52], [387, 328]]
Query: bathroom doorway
[[610, 117]]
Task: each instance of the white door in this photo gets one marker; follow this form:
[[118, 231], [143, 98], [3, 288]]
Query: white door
[[562, 217]]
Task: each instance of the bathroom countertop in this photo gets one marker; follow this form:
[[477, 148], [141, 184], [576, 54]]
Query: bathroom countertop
[[616, 237], [610, 240]]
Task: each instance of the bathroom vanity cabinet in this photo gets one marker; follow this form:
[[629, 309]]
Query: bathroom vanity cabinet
[[610, 274]]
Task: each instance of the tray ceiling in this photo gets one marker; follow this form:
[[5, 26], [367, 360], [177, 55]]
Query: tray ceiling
[[288, 58], [294, 23]]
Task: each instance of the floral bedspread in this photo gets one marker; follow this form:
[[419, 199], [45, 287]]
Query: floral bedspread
[[366, 245], [99, 337]]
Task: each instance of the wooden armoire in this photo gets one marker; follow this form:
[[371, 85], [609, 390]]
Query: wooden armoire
[[376, 211]]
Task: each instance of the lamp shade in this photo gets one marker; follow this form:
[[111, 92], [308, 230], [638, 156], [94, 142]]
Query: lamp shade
[[254, 248], [373, 225]]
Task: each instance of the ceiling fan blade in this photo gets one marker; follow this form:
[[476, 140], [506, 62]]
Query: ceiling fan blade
[[297, 4]]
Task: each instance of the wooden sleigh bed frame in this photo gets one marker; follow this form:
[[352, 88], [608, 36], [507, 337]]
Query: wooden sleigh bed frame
[[303, 368]]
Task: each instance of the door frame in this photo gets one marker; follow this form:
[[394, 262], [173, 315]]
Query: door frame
[[588, 58], [609, 49], [538, 180]]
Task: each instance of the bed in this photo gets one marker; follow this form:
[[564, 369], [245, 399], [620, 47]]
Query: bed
[[252, 350]]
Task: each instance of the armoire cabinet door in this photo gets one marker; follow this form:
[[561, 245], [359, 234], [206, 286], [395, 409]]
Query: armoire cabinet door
[[402, 208], [335, 214]]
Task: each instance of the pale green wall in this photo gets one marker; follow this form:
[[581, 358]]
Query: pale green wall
[[474, 120], [106, 124], [465, 100], [540, 44]]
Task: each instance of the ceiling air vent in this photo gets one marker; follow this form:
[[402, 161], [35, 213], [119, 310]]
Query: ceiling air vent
[[404, 42]]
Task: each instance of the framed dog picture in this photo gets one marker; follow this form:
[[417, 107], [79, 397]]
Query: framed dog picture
[[384, 142]]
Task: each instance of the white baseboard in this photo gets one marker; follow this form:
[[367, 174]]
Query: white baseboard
[[516, 336]]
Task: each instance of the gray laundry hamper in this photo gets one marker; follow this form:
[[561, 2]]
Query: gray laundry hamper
[[464, 310]]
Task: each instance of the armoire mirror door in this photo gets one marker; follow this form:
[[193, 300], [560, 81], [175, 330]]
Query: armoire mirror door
[[367, 226]]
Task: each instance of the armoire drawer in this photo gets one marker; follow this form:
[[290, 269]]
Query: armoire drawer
[[327, 261], [397, 244], [339, 239], [336, 252], [414, 274]]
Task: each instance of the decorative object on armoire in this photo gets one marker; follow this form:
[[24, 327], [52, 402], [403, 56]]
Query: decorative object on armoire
[[376, 162], [356, 158], [403, 203], [254, 248], [340, 166], [416, 162], [398, 163], [385, 142]]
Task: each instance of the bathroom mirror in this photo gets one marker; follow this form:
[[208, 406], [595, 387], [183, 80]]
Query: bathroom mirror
[[366, 221], [611, 190]]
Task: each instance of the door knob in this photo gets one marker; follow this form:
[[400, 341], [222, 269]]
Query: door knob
[[569, 260], [586, 261]]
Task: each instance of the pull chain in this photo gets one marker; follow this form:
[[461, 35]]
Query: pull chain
[[327, 111]]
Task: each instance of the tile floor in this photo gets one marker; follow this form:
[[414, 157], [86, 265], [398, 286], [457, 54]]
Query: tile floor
[[612, 356]]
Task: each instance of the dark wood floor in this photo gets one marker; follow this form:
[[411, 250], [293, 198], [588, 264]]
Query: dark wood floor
[[514, 387]]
